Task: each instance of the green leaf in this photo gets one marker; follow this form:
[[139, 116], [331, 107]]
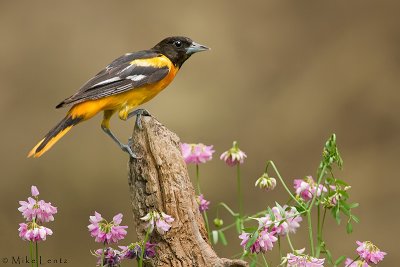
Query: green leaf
[[222, 238], [341, 182], [253, 263], [345, 210], [330, 180], [215, 236], [340, 260], [300, 209], [239, 225], [349, 227], [345, 205], [271, 214], [335, 214], [281, 210], [250, 229], [329, 256], [353, 205], [355, 218], [344, 194]]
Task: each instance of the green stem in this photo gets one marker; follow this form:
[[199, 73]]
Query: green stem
[[279, 246], [234, 214], [317, 188], [198, 179], [352, 262], [323, 222], [290, 243], [227, 227], [102, 255], [318, 229], [143, 247], [265, 260], [270, 162], [31, 251], [37, 254], [207, 225], [239, 191], [320, 238], [310, 233]]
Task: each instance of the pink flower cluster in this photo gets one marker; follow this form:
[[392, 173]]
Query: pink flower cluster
[[37, 209], [196, 153], [33, 232], [203, 203], [110, 257], [306, 188], [106, 232], [301, 260], [265, 241], [234, 156], [286, 220], [35, 212], [369, 252], [134, 251], [158, 219]]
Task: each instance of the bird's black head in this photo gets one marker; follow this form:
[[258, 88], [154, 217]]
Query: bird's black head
[[178, 49]]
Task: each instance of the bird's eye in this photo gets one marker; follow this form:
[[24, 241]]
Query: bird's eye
[[178, 43]]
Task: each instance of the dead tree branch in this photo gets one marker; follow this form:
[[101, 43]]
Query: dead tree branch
[[159, 180]]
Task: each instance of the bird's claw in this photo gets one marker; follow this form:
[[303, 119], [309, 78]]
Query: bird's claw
[[127, 149], [130, 142], [139, 113]]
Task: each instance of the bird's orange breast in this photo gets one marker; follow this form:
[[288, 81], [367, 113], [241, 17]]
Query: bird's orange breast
[[125, 102]]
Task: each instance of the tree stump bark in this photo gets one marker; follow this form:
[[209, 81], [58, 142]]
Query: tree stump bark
[[159, 181]]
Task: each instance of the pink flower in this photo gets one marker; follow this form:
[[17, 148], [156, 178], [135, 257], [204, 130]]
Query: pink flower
[[36, 209], [369, 252], [233, 156], [33, 232], [302, 260], [34, 191], [287, 220], [163, 223], [306, 188], [265, 241], [160, 220], [293, 219], [358, 263], [196, 153], [111, 257], [106, 232], [203, 203], [150, 251]]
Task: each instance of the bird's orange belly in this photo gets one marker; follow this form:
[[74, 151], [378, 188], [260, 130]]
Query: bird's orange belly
[[123, 102]]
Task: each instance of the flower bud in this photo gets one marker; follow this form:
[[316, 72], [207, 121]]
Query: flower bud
[[266, 182], [218, 222]]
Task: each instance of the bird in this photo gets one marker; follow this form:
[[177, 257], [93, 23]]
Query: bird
[[123, 85]]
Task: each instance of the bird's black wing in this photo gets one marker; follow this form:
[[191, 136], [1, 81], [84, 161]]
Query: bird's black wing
[[119, 76]]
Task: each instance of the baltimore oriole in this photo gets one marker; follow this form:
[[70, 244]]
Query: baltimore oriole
[[124, 84]]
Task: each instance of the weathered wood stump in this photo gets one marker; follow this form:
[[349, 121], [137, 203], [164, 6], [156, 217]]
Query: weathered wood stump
[[159, 180]]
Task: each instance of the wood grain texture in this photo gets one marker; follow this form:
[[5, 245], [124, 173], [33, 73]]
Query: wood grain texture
[[159, 180]]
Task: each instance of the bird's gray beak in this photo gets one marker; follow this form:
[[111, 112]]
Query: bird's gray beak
[[195, 47]]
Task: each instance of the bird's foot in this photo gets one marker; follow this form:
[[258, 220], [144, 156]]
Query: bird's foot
[[127, 148], [139, 113]]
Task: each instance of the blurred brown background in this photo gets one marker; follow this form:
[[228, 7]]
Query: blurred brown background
[[280, 78]]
